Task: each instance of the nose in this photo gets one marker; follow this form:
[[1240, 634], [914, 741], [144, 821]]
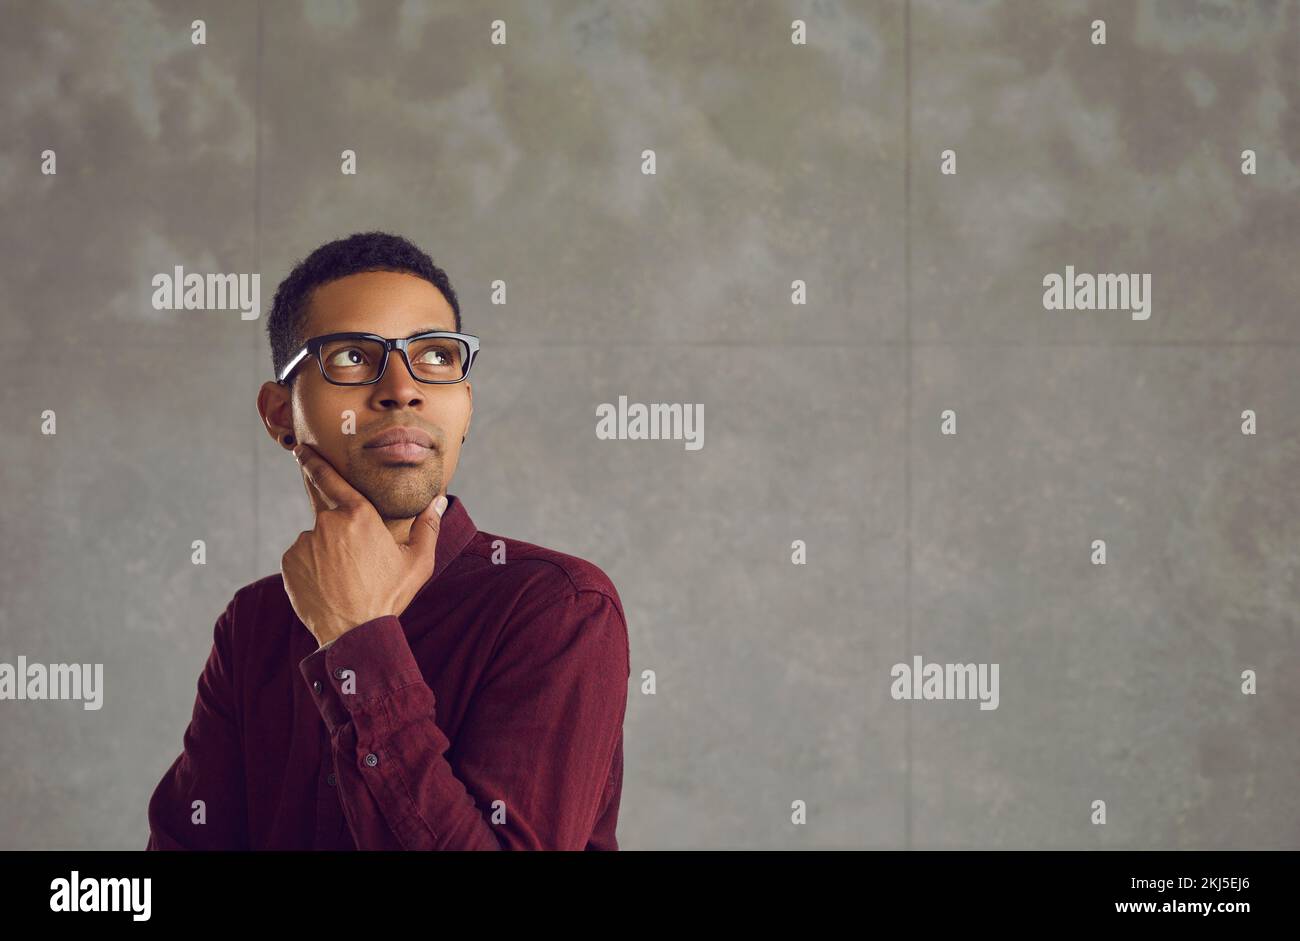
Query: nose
[[397, 386]]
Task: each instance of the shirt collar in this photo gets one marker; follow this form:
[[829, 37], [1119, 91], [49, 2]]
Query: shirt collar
[[454, 534]]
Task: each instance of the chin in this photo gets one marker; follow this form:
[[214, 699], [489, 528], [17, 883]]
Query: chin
[[400, 498], [403, 509], [400, 511]]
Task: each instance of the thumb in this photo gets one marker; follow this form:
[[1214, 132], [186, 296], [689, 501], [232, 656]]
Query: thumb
[[424, 528]]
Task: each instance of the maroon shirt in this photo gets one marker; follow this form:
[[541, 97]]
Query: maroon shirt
[[488, 716]]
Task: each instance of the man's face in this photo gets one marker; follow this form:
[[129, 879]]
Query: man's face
[[399, 483]]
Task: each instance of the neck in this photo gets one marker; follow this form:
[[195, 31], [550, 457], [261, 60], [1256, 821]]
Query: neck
[[400, 529]]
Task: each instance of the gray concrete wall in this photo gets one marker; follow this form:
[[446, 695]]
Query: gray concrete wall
[[775, 162]]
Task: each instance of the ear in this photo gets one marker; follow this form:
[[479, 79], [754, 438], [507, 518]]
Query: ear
[[274, 406]]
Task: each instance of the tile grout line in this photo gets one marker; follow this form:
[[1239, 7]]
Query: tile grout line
[[163, 342], [257, 266], [907, 407]]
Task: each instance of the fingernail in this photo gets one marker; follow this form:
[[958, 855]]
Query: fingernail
[[440, 504], [297, 454]]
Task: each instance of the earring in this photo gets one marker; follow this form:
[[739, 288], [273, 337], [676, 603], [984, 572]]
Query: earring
[[288, 439]]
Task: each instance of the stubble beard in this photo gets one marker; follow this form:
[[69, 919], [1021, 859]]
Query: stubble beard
[[397, 491]]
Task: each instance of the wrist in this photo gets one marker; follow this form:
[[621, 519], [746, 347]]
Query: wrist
[[327, 634]]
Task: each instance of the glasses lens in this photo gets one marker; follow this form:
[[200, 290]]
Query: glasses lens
[[438, 359], [351, 360]]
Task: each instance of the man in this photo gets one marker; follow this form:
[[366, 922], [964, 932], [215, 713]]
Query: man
[[406, 681]]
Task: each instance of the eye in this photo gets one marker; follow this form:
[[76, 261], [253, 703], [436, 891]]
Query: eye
[[348, 356], [433, 351]]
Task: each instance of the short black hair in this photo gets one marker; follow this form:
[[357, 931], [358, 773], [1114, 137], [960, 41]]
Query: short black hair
[[362, 251]]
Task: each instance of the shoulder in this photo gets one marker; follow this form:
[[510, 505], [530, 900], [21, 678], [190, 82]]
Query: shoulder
[[261, 598], [535, 573], [557, 600], [255, 612]]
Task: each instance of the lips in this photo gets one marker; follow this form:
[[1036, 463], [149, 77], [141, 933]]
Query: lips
[[400, 436]]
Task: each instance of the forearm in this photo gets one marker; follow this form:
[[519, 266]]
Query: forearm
[[396, 787], [533, 754]]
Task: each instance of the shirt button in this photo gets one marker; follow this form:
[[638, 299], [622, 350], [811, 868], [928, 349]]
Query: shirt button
[[372, 759], [315, 686], [331, 779]]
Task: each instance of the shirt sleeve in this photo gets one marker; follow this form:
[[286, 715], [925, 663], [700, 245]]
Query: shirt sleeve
[[200, 802], [533, 752]]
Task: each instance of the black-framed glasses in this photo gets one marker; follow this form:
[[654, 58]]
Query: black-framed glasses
[[359, 359]]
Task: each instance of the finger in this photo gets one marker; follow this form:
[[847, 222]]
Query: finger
[[423, 539], [331, 485], [318, 501]]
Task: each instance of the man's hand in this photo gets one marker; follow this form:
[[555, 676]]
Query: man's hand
[[349, 569]]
